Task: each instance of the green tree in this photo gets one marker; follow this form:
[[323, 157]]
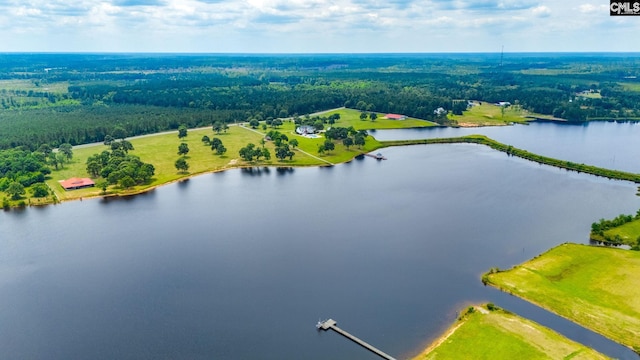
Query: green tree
[[220, 150], [108, 139], [359, 140], [67, 150], [127, 182], [16, 190], [266, 154], [329, 145], [182, 131], [293, 143], [119, 133], [183, 149], [94, 167], [218, 126], [276, 122], [102, 184], [254, 123], [206, 140], [40, 190], [283, 152], [373, 116], [347, 142], [215, 142], [248, 152], [182, 165], [363, 116], [45, 149]]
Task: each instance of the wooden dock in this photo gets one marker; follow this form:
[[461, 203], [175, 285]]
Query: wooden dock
[[377, 156], [331, 324]]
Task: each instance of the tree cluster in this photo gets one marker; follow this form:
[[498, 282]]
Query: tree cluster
[[120, 168]]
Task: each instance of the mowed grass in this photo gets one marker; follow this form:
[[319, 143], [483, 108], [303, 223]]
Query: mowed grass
[[596, 287], [161, 151], [351, 117], [498, 334], [487, 114]]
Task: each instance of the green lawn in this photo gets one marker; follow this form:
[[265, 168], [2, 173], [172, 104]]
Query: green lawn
[[596, 287], [161, 151], [351, 117], [497, 334], [488, 114]]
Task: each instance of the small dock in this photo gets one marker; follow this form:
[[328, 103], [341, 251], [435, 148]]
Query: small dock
[[331, 324], [377, 156]]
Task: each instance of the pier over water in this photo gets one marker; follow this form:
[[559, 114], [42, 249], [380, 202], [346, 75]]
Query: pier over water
[[331, 324]]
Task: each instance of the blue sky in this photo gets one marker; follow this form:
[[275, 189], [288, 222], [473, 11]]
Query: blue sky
[[314, 26]]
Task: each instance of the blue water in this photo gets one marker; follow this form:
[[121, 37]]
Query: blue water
[[242, 264], [611, 145]]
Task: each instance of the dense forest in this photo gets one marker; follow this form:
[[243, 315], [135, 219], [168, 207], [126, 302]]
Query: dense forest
[[80, 98]]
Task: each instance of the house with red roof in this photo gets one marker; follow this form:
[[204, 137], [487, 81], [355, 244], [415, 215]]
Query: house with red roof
[[395, 117], [77, 183]]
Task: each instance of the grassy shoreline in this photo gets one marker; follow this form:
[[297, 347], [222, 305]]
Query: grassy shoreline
[[596, 287], [488, 332], [167, 175]]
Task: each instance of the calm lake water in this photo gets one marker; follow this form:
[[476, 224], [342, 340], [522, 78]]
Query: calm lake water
[[242, 264], [611, 145]]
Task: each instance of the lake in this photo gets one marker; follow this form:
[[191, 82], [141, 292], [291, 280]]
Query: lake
[[241, 264], [611, 145]]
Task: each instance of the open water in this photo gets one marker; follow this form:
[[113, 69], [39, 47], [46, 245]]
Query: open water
[[242, 264]]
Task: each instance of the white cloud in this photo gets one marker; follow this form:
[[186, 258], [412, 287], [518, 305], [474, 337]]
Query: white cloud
[[308, 25], [541, 11], [591, 8]]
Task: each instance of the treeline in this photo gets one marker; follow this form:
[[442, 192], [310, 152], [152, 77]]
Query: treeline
[[599, 229], [22, 166], [88, 124], [151, 93]]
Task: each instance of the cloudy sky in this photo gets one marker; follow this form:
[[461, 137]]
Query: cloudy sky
[[318, 26]]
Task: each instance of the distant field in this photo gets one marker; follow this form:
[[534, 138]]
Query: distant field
[[38, 86], [351, 117], [598, 288], [487, 114], [495, 335], [631, 86]]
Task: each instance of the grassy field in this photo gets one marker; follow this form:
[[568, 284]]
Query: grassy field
[[351, 117], [161, 151], [596, 287], [486, 114], [497, 334], [629, 232]]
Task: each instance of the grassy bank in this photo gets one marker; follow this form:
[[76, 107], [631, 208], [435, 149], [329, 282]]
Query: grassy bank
[[481, 333], [596, 287], [487, 114], [161, 151], [513, 151]]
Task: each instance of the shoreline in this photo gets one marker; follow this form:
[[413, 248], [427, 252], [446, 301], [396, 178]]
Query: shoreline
[[471, 139], [487, 282]]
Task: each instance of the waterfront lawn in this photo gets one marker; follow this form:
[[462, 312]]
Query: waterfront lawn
[[497, 334], [487, 114], [596, 287], [161, 151]]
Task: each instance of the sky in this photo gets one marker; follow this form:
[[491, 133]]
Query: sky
[[314, 26]]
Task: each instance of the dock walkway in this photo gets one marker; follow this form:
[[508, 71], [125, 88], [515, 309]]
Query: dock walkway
[[331, 324]]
